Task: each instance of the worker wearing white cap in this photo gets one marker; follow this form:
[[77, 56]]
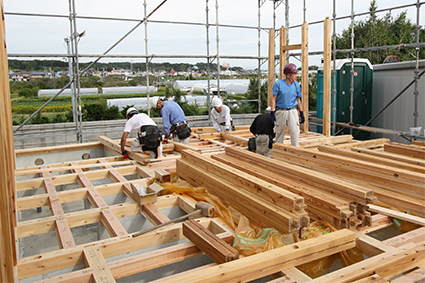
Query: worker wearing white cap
[[220, 116], [149, 137]]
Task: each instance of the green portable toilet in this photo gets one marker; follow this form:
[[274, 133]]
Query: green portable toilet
[[362, 97]]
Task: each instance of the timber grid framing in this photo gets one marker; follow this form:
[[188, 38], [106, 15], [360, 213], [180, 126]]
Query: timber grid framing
[[334, 179]]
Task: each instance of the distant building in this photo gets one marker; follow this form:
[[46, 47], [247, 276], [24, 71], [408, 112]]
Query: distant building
[[37, 75], [19, 77]]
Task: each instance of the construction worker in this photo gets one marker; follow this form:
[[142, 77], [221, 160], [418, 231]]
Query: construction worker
[[173, 119], [285, 102], [220, 116], [149, 136], [263, 129]]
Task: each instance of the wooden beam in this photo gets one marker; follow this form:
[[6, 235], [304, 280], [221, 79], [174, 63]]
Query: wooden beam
[[396, 214], [282, 51], [94, 259], [327, 78], [379, 175], [271, 67], [304, 75], [396, 157], [57, 260], [259, 265], [8, 237], [363, 144], [58, 148], [256, 210], [371, 158], [417, 275], [63, 231], [262, 189], [414, 236], [154, 214], [303, 175], [291, 47], [113, 145], [325, 140], [139, 263], [236, 139], [75, 219], [408, 150], [387, 265], [217, 249], [112, 224]]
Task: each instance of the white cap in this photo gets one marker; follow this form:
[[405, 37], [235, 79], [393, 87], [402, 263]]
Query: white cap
[[152, 101], [269, 109], [131, 111], [216, 102]]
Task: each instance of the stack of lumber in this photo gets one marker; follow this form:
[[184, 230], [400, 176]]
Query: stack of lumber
[[337, 202], [265, 204], [398, 184]]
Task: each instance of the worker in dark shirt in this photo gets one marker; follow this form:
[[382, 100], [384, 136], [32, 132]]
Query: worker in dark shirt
[[263, 129]]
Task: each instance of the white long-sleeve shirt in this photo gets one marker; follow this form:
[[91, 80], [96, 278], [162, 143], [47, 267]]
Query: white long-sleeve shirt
[[221, 117]]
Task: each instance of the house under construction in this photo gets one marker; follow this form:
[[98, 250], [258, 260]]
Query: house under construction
[[335, 209]]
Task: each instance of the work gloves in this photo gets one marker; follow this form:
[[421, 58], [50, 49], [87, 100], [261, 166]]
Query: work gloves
[[272, 117], [124, 152], [302, 119]]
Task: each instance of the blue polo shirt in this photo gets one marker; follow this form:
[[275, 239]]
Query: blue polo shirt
[[286, 95], [171, 113]]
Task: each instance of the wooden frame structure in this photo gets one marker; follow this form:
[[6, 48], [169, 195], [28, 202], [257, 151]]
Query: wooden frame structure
[[347, 174], [283, 48], [203, 162]]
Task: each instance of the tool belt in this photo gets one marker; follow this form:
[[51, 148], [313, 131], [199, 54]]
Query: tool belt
[[181, 130], [150, 137], [231, 124]]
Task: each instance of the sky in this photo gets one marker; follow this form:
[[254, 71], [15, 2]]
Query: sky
[[45, 35]]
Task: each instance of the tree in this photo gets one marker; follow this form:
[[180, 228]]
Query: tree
[[253, 94], [374, 32], [27, 92]]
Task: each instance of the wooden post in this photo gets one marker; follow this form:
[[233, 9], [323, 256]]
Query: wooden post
[[271, 67], [327, 78], [8, 258], [282, 51], [304, 75]]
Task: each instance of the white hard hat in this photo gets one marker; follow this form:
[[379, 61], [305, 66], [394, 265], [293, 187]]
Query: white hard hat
[[216, 102], [131, 111], [152, 101]]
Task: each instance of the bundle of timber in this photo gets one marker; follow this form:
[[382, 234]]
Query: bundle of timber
[[265, 204], [327, 198], [398, 184]]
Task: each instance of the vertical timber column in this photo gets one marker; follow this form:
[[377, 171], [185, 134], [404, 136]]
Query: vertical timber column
[[271, 66], [282, 51], [327, 78], [304, 74], [8, 256]]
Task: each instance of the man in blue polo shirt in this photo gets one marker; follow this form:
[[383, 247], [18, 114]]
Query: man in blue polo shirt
[[174, 121], [285, 102]]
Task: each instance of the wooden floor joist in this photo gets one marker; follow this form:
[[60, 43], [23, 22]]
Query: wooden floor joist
[[267, 191]]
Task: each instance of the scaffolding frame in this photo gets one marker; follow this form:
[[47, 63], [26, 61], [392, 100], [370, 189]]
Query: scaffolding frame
[[74, 56]]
